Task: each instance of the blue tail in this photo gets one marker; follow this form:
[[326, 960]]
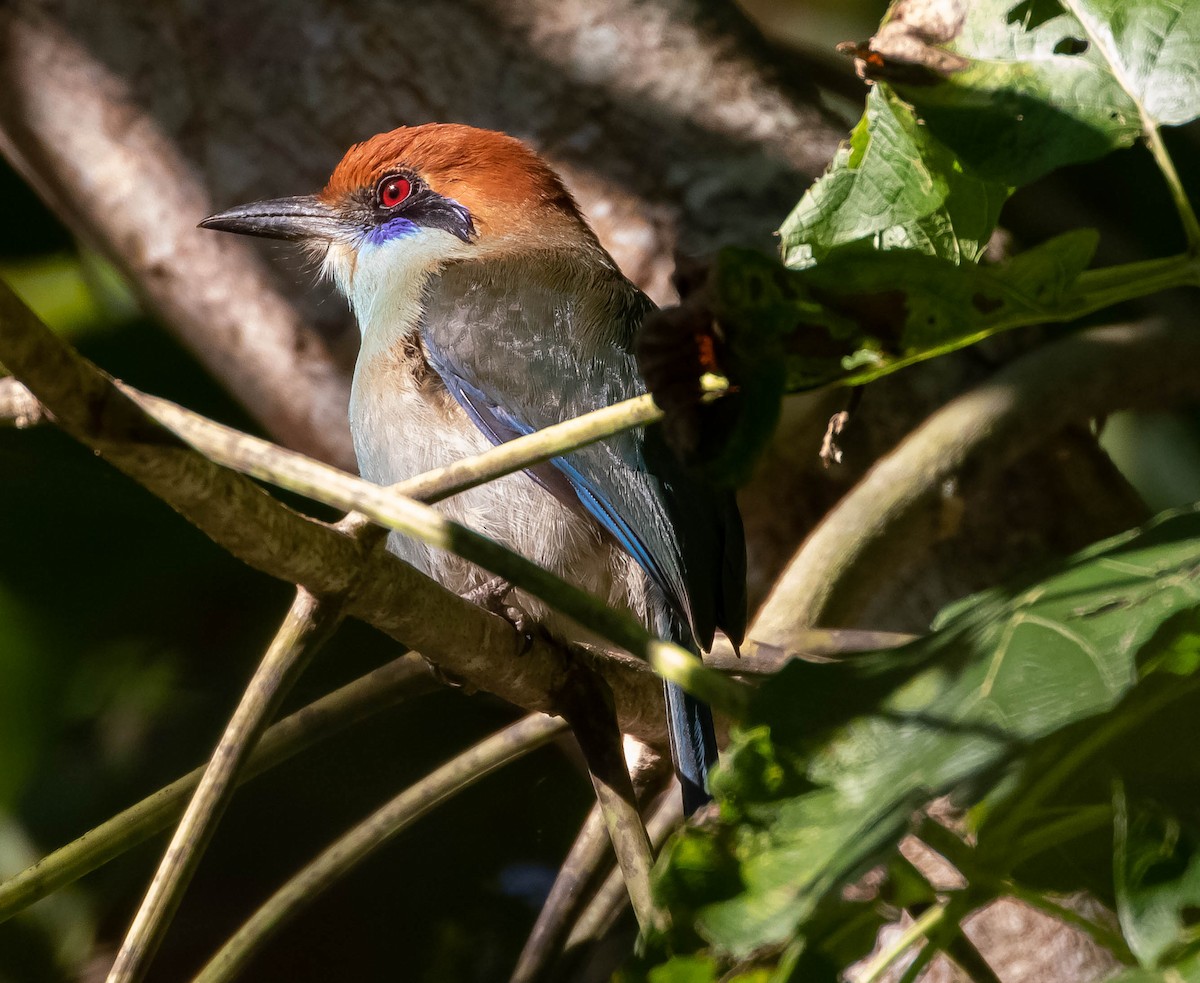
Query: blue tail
[[693, 745]]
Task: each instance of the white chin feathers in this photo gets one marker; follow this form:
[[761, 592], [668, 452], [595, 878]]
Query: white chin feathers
[[383, 281]]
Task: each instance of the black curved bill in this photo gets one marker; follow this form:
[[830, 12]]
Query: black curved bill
[[302, 217]]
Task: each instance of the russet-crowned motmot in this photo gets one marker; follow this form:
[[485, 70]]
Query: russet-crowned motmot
[[488, 309]]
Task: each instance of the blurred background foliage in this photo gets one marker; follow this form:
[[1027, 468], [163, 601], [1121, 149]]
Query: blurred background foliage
[[126, 638]]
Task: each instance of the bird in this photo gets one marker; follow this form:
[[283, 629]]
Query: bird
[[488, 309]]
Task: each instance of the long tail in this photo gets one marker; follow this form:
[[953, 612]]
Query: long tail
[[693, 745]]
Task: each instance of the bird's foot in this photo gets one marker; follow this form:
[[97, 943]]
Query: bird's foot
[[492, 595], [447, 678], [526, 627]]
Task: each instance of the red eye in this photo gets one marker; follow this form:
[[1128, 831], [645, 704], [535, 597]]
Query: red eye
[[393, 190]]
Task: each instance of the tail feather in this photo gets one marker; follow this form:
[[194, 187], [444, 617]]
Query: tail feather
[[693, 745]]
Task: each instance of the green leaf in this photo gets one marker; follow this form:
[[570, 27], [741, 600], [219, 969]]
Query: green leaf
[[837, 757], [1185, 971], [903, 307], [685, 969], [1044, 84], [854, 318], [1152, 47], [1028, 100], [1157, 879], [894, 186]]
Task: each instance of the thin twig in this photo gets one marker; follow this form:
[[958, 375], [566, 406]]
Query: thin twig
[[384, 687], [610, 899], [373, 832], [586, 857], [921, 959], [262, 459], [921, 927], [1183, 205], [963, 951], [309, 623], [588, 707]]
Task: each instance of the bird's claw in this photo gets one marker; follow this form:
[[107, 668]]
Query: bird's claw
[[492, 595], [526, 627]]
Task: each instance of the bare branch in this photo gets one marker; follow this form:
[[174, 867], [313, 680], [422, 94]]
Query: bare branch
[[462, 638], [308, 625], [969, 440], [373, 832], [588, 708], [406, 676], [610, 899]]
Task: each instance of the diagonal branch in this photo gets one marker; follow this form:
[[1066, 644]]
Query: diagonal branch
[[611, 897], [589, 710], [462, 638], [373, 832], [382, 688], [970, 439], [308, 625]]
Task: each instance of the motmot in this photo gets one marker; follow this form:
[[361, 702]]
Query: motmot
[[488, 309]]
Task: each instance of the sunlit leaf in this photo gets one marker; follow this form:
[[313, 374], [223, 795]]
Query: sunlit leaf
[[893, 186], [1044, 84]]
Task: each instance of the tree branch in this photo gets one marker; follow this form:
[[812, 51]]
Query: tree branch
[[373, 832], [382, 688], [588, 708], [462, 638], [308, 625], [968, 441], [610, 899]]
